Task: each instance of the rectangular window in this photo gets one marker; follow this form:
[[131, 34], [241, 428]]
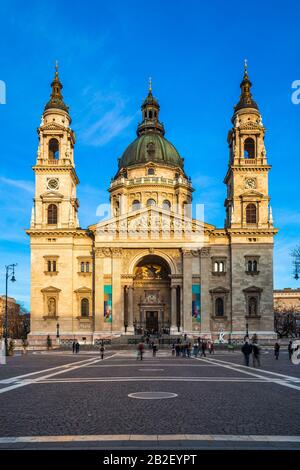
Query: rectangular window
[[87, 267]]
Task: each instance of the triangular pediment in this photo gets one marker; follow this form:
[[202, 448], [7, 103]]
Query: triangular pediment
[[157, 221], [50, 289], [51, 195]]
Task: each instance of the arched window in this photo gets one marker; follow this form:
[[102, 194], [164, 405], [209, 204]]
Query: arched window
[[53, 149], [252, 306], [85, 308], [82, 266], [151, 171], [251, 214], [249, 266], [87, 267], [254, 266], [249, 148], [150, 114], [219, 307], [151, 202], [216, 267], [136, 205], [166, 205], [52, 214], [221, 266]]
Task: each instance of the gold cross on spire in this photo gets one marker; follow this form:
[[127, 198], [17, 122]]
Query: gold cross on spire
[[56, 68], [150, 85], [246, 66]]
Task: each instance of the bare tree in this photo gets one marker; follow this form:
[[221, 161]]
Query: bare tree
[[287, 321]]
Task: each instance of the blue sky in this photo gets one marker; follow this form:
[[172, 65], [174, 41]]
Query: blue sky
[[107, 50]]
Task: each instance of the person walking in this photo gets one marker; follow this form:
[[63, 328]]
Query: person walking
[[247, 350], [177, 349], [290, 350], [189, 349], [73, 346], [102, 351], [212, 348], [173, 350], [196, 349], [141, 351], [256, 354], [276, 350], [203, 348], [154, 350], [77, 347]]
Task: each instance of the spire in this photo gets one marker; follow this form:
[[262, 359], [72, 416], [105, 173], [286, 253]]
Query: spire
[[246, 100], [150, 113], [56, 99]]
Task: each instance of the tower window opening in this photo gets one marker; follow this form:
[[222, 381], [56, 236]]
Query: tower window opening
[[85, 307], [151, 171], [150, 114], [251, 214], [252, 306], [151, 202], [219, 307], [52, 214], [53, 149], [249, 148]]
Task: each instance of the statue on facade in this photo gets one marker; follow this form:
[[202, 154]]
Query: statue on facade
[[51, 307]]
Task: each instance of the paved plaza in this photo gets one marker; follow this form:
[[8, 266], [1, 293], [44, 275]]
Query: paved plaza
[[58, 400]]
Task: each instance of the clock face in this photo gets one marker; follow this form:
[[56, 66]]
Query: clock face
[[52, 183], [250, 183]]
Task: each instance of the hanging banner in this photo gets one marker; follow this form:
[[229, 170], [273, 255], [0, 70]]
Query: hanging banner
[[108, 303], [196, 307]]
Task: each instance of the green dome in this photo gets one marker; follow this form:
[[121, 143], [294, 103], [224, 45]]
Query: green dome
[[150, 147]]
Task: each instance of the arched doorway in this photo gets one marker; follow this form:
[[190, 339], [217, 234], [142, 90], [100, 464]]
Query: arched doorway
[[152, 297]]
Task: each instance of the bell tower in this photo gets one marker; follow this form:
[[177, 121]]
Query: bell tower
[[247, 202], [55, 201]]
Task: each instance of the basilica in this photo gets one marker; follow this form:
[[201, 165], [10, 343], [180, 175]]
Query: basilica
[[151, 266]]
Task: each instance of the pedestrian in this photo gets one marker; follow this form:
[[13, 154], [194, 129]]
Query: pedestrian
[[49, 342], [196, 349], [212, 348], [102, 351], [154, 350], [173, 350], [73, 346], [177, 349], [247, 350], [141, 351], [256, 354], [189, 349], [203, 348], [290, 349], [276, 350], [77, 347]]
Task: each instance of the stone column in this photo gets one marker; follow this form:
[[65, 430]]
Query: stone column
[[130, 309], [173, 309], [205, 295], [117, 292], [187, 290]]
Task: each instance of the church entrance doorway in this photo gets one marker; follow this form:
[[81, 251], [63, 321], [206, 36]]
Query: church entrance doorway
[[152, 295], [152, 322]]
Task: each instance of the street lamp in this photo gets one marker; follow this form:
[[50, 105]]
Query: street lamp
[[247, 330], [10, 274], [57, 331]]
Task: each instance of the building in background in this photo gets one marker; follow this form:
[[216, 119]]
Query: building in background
[[18, 318], [151, 266]]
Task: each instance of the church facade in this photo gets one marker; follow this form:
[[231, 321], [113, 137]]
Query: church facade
[[151, 265]]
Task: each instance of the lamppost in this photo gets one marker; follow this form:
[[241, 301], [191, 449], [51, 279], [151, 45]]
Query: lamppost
[[57, 332], [10, 274], [247, 330]]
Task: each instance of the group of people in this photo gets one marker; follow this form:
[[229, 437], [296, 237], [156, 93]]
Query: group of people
[[277, 350], [75, 347], [251, 348], [186, 349]]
